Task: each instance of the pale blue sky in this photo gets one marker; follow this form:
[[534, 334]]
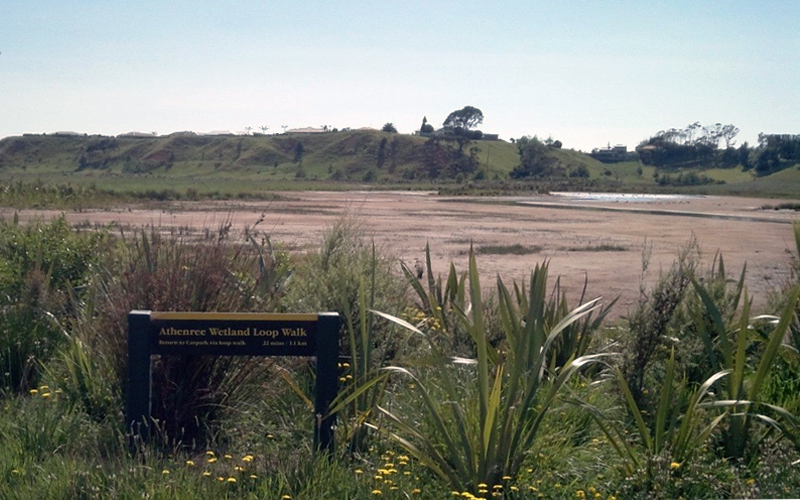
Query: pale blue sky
[[586, 72]]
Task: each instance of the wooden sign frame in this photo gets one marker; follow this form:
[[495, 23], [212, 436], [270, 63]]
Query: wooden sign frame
[[231, 334]]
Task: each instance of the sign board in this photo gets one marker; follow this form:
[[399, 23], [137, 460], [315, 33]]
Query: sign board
[[231, 334], [242, 334]]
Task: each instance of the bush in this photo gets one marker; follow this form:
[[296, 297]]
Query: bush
[[190, 394], [44, 267]]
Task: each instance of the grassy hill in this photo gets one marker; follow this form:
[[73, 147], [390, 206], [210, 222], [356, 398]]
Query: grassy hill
[[339, 155], [228, 165]]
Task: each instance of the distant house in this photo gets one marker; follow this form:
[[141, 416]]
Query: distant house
[[610, 155], [137, 134], [306, 130]]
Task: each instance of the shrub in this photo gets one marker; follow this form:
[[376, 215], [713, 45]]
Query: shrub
[[191, 394], [43, 266]]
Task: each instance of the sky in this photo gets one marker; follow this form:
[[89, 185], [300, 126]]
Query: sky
[[588, 73]]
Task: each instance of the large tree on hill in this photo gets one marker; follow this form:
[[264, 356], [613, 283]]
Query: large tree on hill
[[464, 118]]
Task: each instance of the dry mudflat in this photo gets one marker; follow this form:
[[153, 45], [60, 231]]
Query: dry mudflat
[[596, 237]]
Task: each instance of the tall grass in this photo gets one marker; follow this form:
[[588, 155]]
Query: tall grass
[[349, 275], [153, 272]]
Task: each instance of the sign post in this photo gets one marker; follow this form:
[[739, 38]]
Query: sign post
[[231, 334]]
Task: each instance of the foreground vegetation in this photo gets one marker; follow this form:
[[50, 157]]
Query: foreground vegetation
[[448, 386]]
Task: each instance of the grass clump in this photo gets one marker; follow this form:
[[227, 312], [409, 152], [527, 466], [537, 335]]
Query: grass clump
[[515, 249]]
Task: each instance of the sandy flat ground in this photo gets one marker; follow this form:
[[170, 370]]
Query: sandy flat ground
[[570, 233]]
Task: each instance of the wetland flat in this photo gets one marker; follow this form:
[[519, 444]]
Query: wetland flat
[[594, 237]]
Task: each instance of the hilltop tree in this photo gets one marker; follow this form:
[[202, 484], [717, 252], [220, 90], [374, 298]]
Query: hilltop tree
[[728, 133], [465, 118], [389, 127], [426, 127]]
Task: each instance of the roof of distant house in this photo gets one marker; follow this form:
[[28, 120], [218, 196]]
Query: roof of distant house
[[305, 130]]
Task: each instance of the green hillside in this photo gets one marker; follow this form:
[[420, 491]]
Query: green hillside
[[338, 155], [229, 165]]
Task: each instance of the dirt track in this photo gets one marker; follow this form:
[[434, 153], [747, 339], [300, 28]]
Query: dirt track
[[571, 234]]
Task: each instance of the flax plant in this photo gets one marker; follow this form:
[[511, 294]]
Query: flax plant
[[729, 346], [679, 428], [483, 422]]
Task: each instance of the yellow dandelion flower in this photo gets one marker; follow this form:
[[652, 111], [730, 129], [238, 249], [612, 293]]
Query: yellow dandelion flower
[[514, 488], [507, 478], [220, 479], [211, 460], [206, 473], [228, 456], [46, 395], [598, 495], [674, 465], [58, 391], [580, 494], [165, 472], [239, 468], [377, 493], [247, 458], [345, 365], [358, 471], [751, 482], [497, 487], [44, 388], [286, 497], [34, 392], [416, 491], [379, 477], [253, 476], [455, 493], [210, 453], [190, 463], [482, 485], [231, 479], [270, 436]]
